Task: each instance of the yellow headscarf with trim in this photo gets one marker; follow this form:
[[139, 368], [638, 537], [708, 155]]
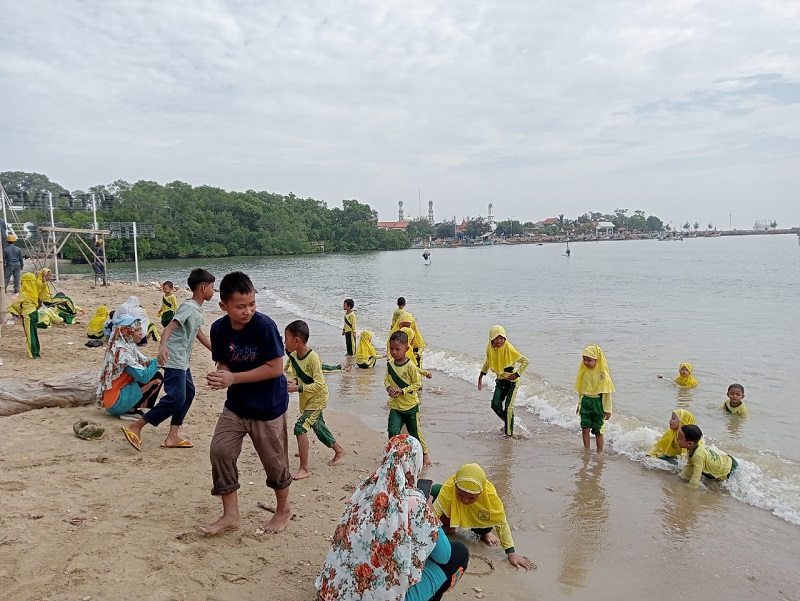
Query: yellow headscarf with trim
[[98, 320], [668, 443], [500, 359], [597, 381], [29, 288], [688, 381], [485, 512], [411, 340], [365, 349]]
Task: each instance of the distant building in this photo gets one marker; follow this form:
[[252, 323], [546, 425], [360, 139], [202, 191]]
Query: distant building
[[400, 226], [547, 222], [604, 227]]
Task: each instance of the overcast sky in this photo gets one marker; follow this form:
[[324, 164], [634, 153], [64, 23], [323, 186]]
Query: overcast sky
[[688, 110]]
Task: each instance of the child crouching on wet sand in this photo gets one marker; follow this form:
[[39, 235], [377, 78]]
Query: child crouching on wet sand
[[594, 387], [714, 465]]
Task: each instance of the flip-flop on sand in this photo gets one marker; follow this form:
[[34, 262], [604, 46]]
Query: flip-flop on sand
[[132, 438], [183, 444]]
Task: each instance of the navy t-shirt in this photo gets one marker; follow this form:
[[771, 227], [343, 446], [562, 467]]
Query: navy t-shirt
[[257, 343]]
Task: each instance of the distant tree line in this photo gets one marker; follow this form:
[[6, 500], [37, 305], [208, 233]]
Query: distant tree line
[[205, 221]]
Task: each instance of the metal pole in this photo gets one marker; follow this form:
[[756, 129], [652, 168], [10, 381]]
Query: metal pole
[[730, 221], [94, 213], [53, 225], [135, 253], [4, 205]]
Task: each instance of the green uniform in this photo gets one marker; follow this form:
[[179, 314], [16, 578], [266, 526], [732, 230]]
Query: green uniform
[[592, 411], [169, 305], [404, 409], [709, 463], [313, 395], [349, 331]]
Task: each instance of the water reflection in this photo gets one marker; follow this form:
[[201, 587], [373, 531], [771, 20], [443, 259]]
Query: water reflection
[[585, 522], [683, 397], [683, 506]]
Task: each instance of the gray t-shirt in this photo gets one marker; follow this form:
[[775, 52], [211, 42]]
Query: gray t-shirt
[[180, 343]]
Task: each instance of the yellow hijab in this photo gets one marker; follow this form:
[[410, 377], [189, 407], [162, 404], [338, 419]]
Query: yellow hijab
[[597, 381], [418, 340], [411, 343], [97, 322], [499, 359], [668, 443], [688, 381], [29, 288], [485, 512], [365, 349]]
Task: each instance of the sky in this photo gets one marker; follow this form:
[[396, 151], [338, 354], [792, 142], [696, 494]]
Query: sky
[[688, 110]]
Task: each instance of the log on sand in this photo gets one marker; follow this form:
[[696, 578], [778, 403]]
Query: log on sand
[[67, 390]]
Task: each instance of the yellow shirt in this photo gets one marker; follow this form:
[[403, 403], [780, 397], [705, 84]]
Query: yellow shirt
[[408, 378], [740, 409], [310, 378], [706, 461], [350, 321], [169, 302]]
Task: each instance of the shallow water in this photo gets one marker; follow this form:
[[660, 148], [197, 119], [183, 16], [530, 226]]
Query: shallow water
[[727, 305]]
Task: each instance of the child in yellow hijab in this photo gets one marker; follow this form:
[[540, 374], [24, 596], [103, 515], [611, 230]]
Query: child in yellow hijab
[[468, 500], [95, 328], [594, 387], [366, 354], [508, 364], [667, 447], [685, 377]]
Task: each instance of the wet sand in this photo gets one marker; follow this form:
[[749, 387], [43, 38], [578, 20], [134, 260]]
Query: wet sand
[[96, 518]]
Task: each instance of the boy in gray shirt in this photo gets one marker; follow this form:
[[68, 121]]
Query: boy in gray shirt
[[174, 354]]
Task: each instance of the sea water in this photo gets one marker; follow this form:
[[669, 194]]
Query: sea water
[[727, 305]]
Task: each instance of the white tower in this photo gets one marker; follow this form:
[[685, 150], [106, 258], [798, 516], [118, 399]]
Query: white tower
[[400, 216], [430, 211], [491, 215]]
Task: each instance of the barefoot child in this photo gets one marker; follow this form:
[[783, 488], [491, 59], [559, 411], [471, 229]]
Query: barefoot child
[[594, 387], [468, 500], [349, 329], [169, 304], [703, 461], [174, 355], [508, 364], [403, 380], [248, 350], [305, 365], [667, 447]]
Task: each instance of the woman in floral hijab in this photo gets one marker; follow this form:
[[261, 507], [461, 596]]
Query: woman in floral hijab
[[389, 545]]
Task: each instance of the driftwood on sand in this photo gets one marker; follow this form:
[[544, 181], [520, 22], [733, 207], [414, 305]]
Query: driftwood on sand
[[66, 390]]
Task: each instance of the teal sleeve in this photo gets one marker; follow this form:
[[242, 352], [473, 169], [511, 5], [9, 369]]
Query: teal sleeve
[[143, 376], [432, 575]]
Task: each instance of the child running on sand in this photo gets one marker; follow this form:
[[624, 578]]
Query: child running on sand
[[735, 403], [667, 447], [247, 348], [174, 355], [349, 329], [594, 387], [305, 365], [169, 303], [402, 381], [508, 364], [703, 461]]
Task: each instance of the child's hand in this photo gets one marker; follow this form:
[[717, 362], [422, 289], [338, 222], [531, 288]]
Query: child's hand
[[660, 377], [394, 391], [219, 379], [512, 377], [607, 415], [429, 375], [163, 355], [342, 332], [520, 561], [292, 386], [480, 383]]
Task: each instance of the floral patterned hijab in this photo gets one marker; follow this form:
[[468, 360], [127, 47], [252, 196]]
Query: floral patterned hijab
[[386, 532], [121, 352]]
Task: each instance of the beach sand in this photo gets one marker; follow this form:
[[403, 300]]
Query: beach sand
[[96, 519]]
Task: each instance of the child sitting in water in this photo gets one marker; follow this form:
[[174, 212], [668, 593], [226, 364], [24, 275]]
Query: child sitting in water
[[366, 354], [685, 378], [594, 387], [735, 402], [667, 447], [703, 461]]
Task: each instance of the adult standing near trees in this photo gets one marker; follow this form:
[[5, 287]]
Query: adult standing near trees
[[12, 263]]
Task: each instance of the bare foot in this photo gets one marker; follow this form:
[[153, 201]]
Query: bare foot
[[426, 460], [490, 538], [349, 368], [337, 458], [224, 523], [300, 474], [278, 521]]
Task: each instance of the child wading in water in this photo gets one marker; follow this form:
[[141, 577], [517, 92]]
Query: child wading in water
[[305, 364], [594, 387], [667, 447], [735, 402], [349, 329], [502, 358]]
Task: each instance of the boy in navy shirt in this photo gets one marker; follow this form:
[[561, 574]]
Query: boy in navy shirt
[[248, 350]]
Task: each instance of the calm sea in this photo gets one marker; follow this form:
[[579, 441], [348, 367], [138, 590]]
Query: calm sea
[[727, 305]]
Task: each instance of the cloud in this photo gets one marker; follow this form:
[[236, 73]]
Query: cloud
[[686, 109]]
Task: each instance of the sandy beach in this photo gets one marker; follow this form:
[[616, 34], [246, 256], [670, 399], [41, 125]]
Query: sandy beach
[[98, 520]]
